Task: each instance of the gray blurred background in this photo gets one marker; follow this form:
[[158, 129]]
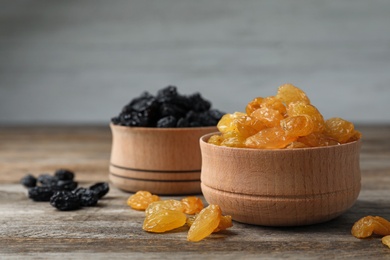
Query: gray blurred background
[[82, 61]]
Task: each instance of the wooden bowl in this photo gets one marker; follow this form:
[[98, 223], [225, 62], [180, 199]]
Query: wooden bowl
[[159, 160], [282, 187]]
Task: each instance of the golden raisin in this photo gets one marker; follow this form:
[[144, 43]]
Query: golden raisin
[[215, 139], [253, 105], [141, 200], [366, 226], [224, 223], [386, 240], [274, 103], [288, 93], [192, 205], [297, 125], [317, 140], [268, 116], [165, 204], [339, 129], [300, 108], [163, 220], [205, 223], [271, 138]]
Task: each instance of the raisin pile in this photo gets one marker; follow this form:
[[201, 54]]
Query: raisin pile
[[286, 120], [61, 190], [165, 215], [168, 109]]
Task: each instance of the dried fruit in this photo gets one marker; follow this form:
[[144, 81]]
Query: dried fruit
[[287, 120], [141, 200], [386, 240], [288, 93], [168, 109], [65, 200], [28, 181], [369, 225], [100, 188], [192, 205], [205, 223], [224, 223], [63, 174], [163, 220], [87, 197], [40, 193], [165, 204]]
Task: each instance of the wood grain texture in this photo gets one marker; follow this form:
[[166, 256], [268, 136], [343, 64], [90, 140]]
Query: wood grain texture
[[111, 230]]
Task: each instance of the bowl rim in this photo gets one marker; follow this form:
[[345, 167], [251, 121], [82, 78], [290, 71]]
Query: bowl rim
[[161, 129], [205, 137]]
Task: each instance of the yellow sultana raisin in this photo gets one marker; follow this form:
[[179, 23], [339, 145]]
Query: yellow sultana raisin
[[205, 223], [269, 138], [386, 240], [289, 93], [253, 105], [225, 222], [164, 204], [268, 116], [339, 129], [192, 205], [164, 220], [297, 125], [141, 200], [369, 225]]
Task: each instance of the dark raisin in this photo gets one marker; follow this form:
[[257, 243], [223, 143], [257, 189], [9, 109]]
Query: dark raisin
[[40, 193], [47, 180], [199, 104], [68, 185], [65, 200], [87, 197], [100, 188], [29, 181], [63, 174], [167, 94], [168, 121], [182, 122], [167, 109]]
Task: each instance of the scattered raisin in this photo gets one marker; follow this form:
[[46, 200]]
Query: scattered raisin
[[141, 200], [163, 220], [40, 193], [192, 205], [369, 225], [64, 175], [87, 197], [100, 188], [205, 223], [65, 200], [28, 181]]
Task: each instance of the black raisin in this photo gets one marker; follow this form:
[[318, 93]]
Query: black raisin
[[68, 185], [87, 197], [65, 200], [199, 104], [29, 181], [167, 94], [182, 122], [100, 188], [168, 121], [40, 193], [63, 174], [167, 109], [47, 180]]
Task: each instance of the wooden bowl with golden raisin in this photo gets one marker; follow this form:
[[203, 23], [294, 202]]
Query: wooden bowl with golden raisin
[[281, 187]]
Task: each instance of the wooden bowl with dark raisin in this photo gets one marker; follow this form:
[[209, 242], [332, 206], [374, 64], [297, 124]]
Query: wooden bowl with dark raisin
[[159, 160]]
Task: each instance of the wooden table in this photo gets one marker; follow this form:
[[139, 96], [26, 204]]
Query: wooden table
[[113, 230]]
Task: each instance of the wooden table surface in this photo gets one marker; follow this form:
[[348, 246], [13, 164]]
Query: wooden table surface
[[113, 230]]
